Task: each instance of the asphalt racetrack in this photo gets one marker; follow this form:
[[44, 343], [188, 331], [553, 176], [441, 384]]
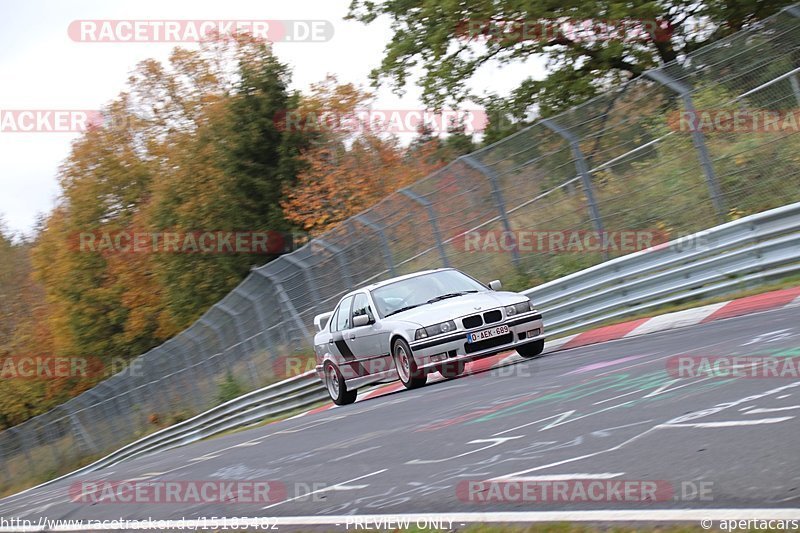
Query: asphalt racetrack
[[610, 411]]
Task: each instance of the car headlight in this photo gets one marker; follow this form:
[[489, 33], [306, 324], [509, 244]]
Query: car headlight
[[436, 329], [522, 307]]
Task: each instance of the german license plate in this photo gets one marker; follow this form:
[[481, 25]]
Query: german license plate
[[484, 334]]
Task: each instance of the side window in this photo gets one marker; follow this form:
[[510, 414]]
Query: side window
[[343, 315], [332, 320], [361, 306]]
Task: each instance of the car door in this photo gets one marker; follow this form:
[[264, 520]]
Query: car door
[[365, 341], [341, 329]]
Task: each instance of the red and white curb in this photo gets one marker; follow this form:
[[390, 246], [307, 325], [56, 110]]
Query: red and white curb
[[689, 317]]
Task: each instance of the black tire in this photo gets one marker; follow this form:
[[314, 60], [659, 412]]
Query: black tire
[[337, 388], [531, 349], [411, 376], [451, 369]]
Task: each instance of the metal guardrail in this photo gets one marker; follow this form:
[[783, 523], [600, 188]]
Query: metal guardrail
[[733, 255], [276, 399]]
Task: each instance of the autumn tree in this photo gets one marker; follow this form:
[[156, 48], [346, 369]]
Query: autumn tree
[[351, 164], [191, 145]]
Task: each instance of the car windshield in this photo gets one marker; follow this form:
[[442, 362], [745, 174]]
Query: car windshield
[[420, 290]]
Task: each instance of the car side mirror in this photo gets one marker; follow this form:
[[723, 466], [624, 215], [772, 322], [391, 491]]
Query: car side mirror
[[495, 285], [360, 320]]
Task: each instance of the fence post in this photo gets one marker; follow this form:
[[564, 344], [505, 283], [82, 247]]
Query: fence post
[[243, 340], [583, 172], [698, 139], [338, 253], [202, 370], [387, 252], [85, 442], [424, 202], [220, 341], [286, 302], [498, 200], [793, 10], [307, 276]]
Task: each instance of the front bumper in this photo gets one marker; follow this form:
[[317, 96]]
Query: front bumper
[[432, 352]]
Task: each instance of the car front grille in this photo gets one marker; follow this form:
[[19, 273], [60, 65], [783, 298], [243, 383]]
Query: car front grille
[[472, 321], [472, 347], [492, 316]]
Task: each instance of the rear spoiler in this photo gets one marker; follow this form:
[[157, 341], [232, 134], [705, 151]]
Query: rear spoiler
[[320, 321]]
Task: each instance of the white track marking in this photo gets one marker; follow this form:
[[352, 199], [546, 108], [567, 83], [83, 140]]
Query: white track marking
[[338, 486], [565, 477], [206, 457], [772, 410], [355, 453], [728, 423], [253, 442], [492, 443]]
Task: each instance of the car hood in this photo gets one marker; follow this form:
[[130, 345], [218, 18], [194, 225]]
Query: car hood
[[469, 304]]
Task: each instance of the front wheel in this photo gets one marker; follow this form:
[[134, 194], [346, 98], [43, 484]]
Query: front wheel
[[411, 376], [531, 349], [337, 388]]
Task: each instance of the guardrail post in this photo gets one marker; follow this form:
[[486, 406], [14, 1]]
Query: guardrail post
[[583, 172], [424, 202], [338, 253], [698, 139], [377, 228], [286, 302], [498, 200]]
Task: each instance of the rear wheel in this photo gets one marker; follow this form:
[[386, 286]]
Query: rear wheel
[[337, 388], [451, 369], [411, 376], [532, 349]]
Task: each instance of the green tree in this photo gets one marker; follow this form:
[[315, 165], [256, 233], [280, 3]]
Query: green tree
[[438, 38]]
